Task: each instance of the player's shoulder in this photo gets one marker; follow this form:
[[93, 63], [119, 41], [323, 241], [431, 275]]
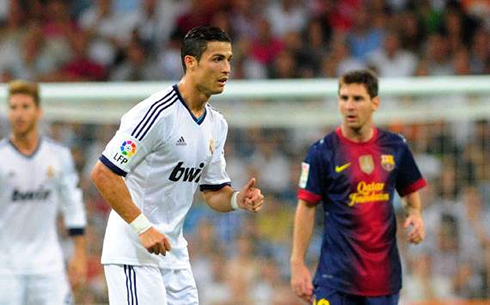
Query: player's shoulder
[[4, 143], [215, 114], [155, 105], [326, 143], [150, 112], [392, 137], [53, 145]]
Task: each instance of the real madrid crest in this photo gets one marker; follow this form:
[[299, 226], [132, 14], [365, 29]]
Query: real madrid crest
[[211, 145], [366, 163], [50, 172], [388, 162]]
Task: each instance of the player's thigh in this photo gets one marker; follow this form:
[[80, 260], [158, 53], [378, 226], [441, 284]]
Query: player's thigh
[[131, 285], [181, 286], [12, 289], [328, 296], [48, 289], [384, 300]]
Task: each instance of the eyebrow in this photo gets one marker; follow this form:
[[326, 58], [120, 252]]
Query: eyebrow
[[221, 55], [354, 96]]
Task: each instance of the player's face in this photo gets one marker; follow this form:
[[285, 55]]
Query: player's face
[[23, 114], [356, 106], [213, 69]]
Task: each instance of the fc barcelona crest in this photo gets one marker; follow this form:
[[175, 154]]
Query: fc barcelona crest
[[388, 162], [366, 163]]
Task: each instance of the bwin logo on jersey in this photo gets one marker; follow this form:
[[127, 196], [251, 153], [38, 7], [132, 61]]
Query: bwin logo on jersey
[[189, 174], [40, 194]]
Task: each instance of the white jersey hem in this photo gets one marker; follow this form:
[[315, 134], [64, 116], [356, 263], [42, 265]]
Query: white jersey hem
[[132, 262]]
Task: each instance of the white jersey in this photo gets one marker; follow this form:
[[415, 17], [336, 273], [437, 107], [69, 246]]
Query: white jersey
[[32, 191], [165, 153]]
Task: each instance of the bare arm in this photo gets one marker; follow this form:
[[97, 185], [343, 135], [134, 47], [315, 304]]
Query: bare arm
[[77, 266], [249, 198], [414, 218], [114, 190], [304, 220]]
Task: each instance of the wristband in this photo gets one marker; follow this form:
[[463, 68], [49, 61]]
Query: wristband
[[140, 224], [234, 203]]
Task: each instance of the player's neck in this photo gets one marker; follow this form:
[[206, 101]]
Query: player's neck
[[193, 98], [360, 135], [26, 143]]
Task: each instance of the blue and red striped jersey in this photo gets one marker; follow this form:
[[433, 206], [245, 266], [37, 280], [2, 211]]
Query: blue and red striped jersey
[[355, 182]]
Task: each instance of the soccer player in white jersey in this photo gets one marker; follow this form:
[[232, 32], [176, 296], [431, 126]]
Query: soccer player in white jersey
[[166, 147], [37, 180]]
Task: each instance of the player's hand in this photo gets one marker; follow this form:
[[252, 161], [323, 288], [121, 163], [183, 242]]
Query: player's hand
[[250, 198], [301, 281], [155, 242], [417, 233], [77, 270]]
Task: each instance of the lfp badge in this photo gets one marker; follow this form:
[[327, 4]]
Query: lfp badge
[[128, 148]]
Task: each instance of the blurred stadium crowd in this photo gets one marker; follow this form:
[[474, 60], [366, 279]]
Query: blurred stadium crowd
[[242, 259]]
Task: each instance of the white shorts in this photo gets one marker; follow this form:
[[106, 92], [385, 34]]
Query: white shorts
[[146, 285], [35, 289]]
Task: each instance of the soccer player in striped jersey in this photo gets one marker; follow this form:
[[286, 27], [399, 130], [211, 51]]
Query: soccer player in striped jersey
[[353, 173], [166, 147], [37, 179]]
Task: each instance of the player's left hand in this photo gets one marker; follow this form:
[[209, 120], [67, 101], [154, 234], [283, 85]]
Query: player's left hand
[[417, 233], [250, 198], [77, 270]]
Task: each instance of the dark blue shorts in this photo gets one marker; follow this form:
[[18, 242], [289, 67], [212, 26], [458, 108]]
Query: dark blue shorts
[[328, 296]]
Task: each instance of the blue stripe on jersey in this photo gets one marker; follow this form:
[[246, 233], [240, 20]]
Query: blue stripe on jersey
[[155, 118], [213, 187], [171, 96], [116, 170]]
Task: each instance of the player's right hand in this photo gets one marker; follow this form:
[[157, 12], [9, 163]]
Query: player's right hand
[[301, 281], [155, 242]]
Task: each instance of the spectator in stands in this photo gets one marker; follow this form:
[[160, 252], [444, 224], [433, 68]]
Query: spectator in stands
[[437, 53], [392, 60], [136, 65], [339, 60], [364, 38], [480, 52], [107, 31], [286, 16]]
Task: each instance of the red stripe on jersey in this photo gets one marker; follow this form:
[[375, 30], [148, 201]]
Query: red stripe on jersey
[[417, 185], [309, 196]]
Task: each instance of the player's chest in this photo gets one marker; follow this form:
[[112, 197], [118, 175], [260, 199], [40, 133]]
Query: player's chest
[[377, 164], [191, 144], [30, 172]]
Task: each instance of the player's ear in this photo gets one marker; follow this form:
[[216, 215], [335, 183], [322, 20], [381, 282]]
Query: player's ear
[[39, 112], [190, 62], [375, 103]]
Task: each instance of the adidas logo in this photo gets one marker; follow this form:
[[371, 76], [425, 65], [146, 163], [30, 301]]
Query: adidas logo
[[181, 141]]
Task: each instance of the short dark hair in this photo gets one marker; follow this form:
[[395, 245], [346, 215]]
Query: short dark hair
[[365, 77], [24, 87], [196, 40]]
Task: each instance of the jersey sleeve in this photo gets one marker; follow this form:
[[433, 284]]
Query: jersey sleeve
[[409, 179], [214, 175], [70, 196], [309, 182], [134, 140]]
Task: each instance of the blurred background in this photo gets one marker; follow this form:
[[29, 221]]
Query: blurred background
[[239, 258]]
